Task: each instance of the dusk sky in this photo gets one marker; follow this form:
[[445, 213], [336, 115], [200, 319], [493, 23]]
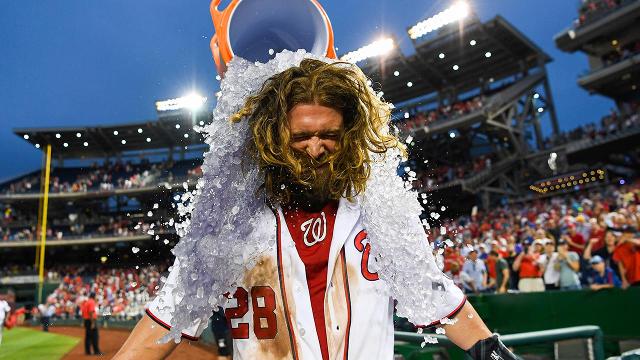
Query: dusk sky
[[82, 63]]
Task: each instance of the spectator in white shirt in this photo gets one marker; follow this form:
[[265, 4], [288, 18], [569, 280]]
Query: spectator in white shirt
[[550, 263], [477, 271]]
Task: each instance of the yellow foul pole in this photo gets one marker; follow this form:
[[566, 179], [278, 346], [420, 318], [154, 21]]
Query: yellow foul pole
[[40, 203], [43, 225]]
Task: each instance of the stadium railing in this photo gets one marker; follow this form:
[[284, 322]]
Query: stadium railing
[[587, 143], [590, 332], [89, 239]]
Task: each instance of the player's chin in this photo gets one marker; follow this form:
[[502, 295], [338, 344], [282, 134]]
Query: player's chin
[[323, 167], [323, 173]]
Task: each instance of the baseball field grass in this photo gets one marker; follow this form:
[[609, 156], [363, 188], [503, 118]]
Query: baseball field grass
[[24, 343]]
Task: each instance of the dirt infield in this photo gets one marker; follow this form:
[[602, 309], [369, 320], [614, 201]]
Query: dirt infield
[[112, 339]]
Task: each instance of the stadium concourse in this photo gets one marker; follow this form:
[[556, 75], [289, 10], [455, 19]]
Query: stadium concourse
[[512, 211]]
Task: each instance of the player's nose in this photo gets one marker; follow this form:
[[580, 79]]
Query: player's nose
[[315, 148]]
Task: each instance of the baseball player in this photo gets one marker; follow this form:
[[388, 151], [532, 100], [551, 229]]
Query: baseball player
[[4, 313], [316, 294]]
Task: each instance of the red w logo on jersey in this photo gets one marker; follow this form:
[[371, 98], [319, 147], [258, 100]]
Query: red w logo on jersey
[[365, 249], [317, 227]]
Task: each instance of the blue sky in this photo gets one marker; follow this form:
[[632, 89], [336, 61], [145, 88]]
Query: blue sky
[[79, 62]]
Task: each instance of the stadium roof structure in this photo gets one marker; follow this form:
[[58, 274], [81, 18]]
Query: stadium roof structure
[[611, 30], [613, 21], [459, 59], [111, 140]]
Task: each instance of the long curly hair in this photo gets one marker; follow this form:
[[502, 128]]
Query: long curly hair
[[340, 86]]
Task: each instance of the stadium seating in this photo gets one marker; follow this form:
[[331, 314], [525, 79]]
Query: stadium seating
[[591, 10], [121, 293], [105, 177], [512, 229]]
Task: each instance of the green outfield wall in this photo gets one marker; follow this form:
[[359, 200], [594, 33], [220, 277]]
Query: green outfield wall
[[615, 311]]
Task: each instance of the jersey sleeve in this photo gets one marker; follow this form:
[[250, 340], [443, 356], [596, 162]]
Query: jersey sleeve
[[161, 307], [454, 301]]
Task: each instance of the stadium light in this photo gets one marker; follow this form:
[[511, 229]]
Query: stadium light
[[192, 102], [441, 55], [26, 136], [540, 109], [123, 141], [487, 54], [139, 131], [65, 145], [536, 95], [458, 11], [85, 144], [396, 73], [376, 48], [115, 132], [177, 126], [455, 67], [37, 146], [472, 43], [78, 135], [148, 139], [409, 84], [58, 136]]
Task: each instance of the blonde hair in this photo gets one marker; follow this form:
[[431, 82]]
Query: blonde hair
[[340, 86]]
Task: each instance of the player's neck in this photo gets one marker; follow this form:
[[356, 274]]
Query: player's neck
[[308, 202]]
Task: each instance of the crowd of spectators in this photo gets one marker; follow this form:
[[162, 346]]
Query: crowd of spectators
[[105, 177], [121, 293], [591, 10], [612, 123], [429, 175], [587, 240], [110, 176], [428, 178], [444, 112], [26, 184], [621, 53], [7, 269], [118, 226]]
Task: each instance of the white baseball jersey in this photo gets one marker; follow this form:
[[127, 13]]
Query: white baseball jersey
[[271, 313], [4, 310]]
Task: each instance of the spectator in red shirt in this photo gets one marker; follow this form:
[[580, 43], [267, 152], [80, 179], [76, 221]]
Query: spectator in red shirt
[[452, 255], [90, 317], [597, 234], [526, 264], [627, 256], [575, 240]]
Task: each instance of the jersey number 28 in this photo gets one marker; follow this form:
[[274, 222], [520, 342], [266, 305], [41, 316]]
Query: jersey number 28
[[263, 302]]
